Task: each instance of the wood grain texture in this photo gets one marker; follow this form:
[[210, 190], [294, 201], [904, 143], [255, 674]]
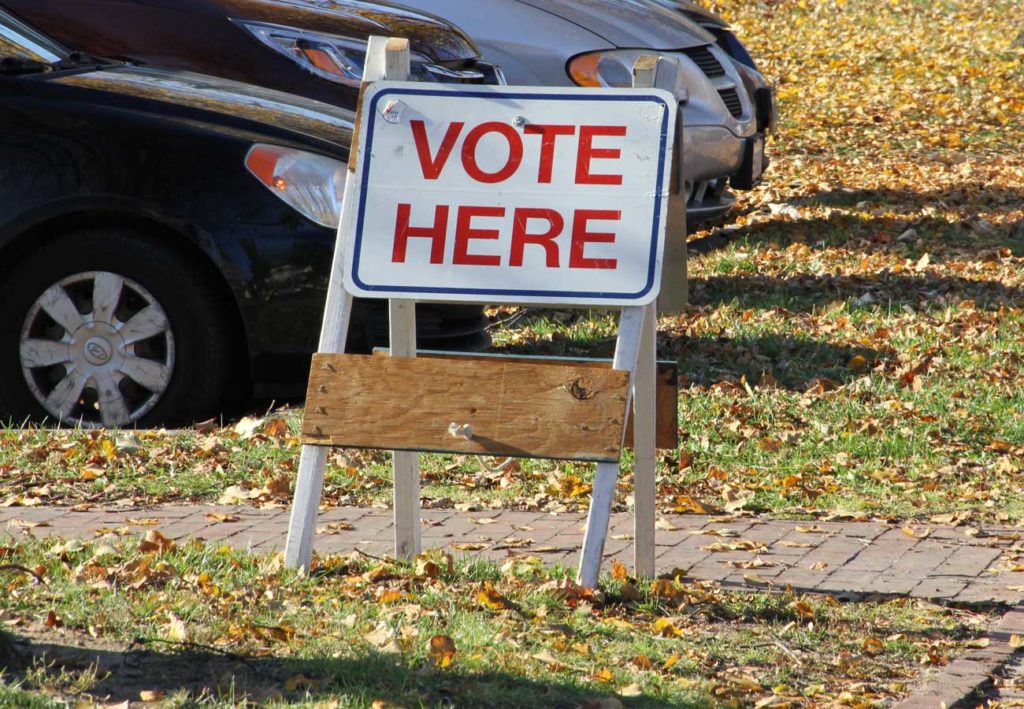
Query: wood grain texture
[[533, 409], [666, 389]]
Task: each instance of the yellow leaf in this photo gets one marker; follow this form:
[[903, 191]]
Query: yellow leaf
[[666, 628], [619, 571], [670, 662], [221, 517], [1016, 641], [489, 597], [441, 651], [470, 546], [911, 532], [151, 695], [603, 675]]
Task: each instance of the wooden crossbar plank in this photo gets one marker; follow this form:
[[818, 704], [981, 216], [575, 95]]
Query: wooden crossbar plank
[[514, 409], [666, 387]]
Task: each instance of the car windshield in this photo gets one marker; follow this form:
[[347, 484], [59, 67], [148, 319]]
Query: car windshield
[[19, 41]]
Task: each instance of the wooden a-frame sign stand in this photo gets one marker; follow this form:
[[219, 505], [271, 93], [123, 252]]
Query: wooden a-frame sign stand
[[554, 408]]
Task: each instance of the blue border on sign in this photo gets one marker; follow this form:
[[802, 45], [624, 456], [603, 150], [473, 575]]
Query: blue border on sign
[[372, 113]]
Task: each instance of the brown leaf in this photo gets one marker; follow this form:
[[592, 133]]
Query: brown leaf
[[145, 522], [156, 542], [548, 659], [298, 682], [151, 695], [872, 646], [441, 651], [642, 662]]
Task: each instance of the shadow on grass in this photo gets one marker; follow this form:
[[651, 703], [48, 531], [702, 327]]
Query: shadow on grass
[[807, 292], [361, 681], [794, 362], [963, 231]]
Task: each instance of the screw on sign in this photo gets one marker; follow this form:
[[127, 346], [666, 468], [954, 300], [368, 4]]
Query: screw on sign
[[515, 200]]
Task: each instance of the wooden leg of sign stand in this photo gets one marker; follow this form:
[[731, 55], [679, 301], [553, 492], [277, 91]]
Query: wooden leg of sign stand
[[406, 463], [626, 349], [298, 550], [385, 59], [644, 431]]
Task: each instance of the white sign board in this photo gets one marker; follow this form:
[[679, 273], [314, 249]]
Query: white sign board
[[510, 194]]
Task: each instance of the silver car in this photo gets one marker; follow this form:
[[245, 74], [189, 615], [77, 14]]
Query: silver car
[[728, 107]]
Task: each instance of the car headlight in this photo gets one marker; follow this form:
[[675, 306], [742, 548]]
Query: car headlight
[[311, 184], [332, 57], [612, 68]]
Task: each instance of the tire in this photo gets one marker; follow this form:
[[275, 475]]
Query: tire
[[109, 327]]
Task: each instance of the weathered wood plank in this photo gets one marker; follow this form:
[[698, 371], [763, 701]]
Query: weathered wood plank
[[514, 408], [666, 388]]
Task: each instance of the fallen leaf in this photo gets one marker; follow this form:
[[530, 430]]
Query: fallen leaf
[[221, 517], [911, 532], [156, 542], [488, 596], [631, 690], [441, 651]]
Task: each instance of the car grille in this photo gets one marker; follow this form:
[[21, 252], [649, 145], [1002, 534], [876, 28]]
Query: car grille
[[732, 101], [704, 59]]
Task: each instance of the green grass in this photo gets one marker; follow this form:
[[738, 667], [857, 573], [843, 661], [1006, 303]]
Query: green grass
[[215, 626]]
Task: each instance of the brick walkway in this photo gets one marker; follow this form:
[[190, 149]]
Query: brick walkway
[[841, 558]]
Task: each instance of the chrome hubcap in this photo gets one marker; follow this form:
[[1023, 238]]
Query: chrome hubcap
[[97, 349]]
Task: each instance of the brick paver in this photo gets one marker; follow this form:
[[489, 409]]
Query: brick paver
[[843, 558]]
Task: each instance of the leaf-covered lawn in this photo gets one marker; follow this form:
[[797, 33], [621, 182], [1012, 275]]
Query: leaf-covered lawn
[[853, 348], [122, 618], [854, 345]]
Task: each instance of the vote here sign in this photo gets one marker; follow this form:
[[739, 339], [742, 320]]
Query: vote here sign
[[509, 194]]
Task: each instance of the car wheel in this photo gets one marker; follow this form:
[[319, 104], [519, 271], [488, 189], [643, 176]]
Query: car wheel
[[109, 328]]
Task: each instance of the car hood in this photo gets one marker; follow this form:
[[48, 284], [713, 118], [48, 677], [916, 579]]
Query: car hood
[[185, 91], [628, 23], [431, 36], [700, 14]]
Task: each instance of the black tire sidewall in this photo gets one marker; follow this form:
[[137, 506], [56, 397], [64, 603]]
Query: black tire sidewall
[[193, 312]]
